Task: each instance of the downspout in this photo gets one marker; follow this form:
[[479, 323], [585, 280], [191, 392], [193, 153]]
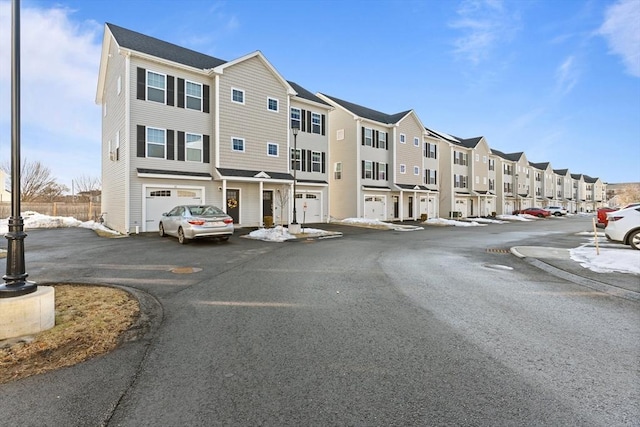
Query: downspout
[[127, 131]]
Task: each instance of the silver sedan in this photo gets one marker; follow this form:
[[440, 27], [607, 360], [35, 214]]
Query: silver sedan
[[196, 221]]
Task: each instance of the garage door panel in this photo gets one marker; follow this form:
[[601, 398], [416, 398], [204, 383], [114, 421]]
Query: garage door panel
[[161, 200]]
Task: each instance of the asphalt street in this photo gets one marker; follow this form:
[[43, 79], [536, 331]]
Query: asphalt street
[[441, 326]]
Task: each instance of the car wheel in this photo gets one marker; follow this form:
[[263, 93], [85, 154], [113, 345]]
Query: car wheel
[[224, 238], [557, 214], [181, 239], [161, 230], [540, 216], [634, 239]]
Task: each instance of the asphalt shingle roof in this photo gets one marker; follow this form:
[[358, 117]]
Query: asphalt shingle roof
[[161, 49], [368, 113], [303, 93]]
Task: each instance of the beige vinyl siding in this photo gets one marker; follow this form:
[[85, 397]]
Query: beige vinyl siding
[[480, 167], [344, 192], [252, 121], [310, 141], [113, 202], [407, 153]]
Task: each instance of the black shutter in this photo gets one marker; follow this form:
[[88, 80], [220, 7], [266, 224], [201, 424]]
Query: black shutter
[[376, 168], [377, 141], [181, 150], [303, 159], [386, 141], [180, 93], [324, 160], [142, 84], [170, 145], [362, 135], [435, 151], [205, 149], [309, 126], [205, 98], [303, 114], [362, 168], [309, 161], [141, 148], [322, 130], [171, 96], [386, 172]]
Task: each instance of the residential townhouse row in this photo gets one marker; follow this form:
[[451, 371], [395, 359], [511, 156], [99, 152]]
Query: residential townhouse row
[[182, 127]]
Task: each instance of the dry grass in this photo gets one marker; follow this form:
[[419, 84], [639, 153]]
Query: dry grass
[[89, 322]]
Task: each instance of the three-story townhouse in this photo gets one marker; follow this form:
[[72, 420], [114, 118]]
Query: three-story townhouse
[[579, 192], [377, 163], [433, 145], [564, 189], [542, 184], [181, 127], [595, 191], [515, 192]]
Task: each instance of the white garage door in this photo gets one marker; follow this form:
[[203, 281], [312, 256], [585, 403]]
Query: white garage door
[[309, 208], [374, 208], [160, 200]]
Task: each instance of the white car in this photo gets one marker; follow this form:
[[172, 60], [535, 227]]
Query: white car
[[624, 226], [556, 210]]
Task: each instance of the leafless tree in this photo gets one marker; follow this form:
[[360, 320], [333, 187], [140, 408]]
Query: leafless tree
[[36, 181], [86, 186], [283, 201]]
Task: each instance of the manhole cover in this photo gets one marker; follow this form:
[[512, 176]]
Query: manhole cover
[[185, 270]]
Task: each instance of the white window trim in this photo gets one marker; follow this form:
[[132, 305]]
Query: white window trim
[[416, 141], [186, 147], [368, 167], [370, 137], [403, 168], [416, 170], [243, 96], [146, 143], [318, 162], [314, 124], [244, 145], [201, 97], [299, 119], [269, 144], [277, 101], [147, 86], [403, 138]]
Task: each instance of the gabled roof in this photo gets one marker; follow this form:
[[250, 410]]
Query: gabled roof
[[470, 142], [368, 113], [561, 171], [151, 46], [443, 135], [514, 157], [576, 175], [305, 94], [541, 166], [589, 179]]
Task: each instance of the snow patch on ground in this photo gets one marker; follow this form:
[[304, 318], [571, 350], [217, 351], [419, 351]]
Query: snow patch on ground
[[620, 260]]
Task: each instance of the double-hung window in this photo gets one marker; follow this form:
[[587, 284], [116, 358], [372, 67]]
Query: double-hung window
[[382, 171], [430, 177], [193, 93], [403, 138], [368, 169], [431, 151], [382, 140], [295, 159], [337, 170], [368, 137], [316, 123], [416, 142], [156, 87], [295, 118], [403, 168], [156, 143], [272, 149], [316, 158], [237, 144], [416, 170], [237, 95], [193, 146]]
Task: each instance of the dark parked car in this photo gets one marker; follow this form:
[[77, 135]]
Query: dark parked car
[[539, 212], [195, 222]]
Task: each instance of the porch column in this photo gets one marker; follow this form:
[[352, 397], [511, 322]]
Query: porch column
[[261, 203], [224, 195]]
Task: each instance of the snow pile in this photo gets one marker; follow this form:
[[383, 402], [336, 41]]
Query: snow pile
[[487, 220], [375, 223], [452, 222], [33, 220], [276, 234], [609, 260], [516, 217]]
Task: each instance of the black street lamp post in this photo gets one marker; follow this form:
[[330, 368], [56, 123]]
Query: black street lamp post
[[15, 279], [295, 130]]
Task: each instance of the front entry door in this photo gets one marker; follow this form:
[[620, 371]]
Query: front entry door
[[233, 205], [267, 203], [396, 207]]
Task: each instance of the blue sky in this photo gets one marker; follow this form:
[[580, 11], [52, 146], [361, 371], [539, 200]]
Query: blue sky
[[559, 80]]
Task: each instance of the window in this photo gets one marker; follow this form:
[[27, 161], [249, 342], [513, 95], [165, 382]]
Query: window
[[431, 151], [382, 171], [193, 93], [237, 95], [368, 137], [316, 161], [315, 123], [484, 159], [492, 165], [477, 157], [272, 104], [337, 170], [430, 177], [193, 146], [403, 138], [416, 142], [368, 169], [156, 143], [382, 140], [460, 158], [403, 169], [295, 118], [156, 87], [416, 170], [160, 193], [492, 185], [237, 144], [272, 149], [295, 159]]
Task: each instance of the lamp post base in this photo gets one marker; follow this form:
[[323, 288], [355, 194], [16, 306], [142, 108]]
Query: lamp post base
[[294, 228]]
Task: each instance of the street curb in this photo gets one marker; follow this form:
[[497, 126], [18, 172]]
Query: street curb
[[579, 280]]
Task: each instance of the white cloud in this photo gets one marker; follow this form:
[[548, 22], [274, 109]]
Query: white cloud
[[59, 60], [484, 24], [567, 76], [621, 28]]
